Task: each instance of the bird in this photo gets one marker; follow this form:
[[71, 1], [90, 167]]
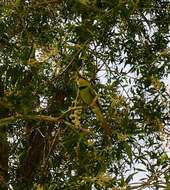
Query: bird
[[90, 97]]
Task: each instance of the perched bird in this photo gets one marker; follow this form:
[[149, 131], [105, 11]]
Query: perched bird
[[89, 96]]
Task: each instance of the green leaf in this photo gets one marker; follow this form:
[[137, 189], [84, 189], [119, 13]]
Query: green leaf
[[128, 149]]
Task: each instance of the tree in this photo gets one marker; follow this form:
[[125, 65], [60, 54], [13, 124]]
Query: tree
[[49, 138]]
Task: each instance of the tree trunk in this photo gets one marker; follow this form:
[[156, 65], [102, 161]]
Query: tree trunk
[[3, 144]]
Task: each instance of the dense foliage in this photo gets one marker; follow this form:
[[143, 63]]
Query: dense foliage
[[49, 138]]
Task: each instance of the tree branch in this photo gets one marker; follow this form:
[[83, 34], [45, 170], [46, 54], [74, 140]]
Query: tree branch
[[45, 118]]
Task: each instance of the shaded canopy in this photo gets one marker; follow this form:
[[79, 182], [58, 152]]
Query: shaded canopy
[[54, 139]]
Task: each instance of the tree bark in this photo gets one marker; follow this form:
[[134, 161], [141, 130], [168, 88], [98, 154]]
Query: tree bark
[[3, 145]]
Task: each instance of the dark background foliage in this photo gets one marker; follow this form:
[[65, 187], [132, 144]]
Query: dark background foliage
[[49, 139]]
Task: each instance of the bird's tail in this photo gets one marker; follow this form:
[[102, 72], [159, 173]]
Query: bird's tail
[[103, 121]]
